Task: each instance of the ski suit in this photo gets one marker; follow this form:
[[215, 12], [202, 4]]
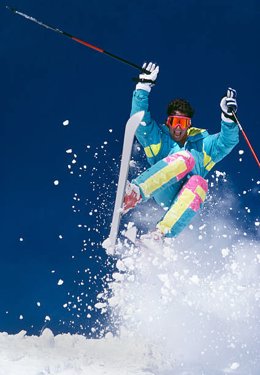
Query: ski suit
[[176, 176]]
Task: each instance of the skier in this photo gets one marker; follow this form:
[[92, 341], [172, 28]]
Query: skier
[[180, 157]]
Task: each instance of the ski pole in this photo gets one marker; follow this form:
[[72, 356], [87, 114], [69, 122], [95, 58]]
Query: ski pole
[[78, 40], [246, 138]]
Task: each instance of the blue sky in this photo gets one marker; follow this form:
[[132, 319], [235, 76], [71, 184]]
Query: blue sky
[[202, 48]]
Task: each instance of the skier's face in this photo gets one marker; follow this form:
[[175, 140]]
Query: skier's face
[[178, 133]]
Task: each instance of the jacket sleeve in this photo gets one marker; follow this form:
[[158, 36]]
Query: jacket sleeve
[[219, 145], [149, 135]]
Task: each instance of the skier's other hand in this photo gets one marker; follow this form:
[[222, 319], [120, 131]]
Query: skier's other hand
[[147, 81], [228, 105]]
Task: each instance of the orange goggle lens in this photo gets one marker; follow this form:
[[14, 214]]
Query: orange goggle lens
[[182, 121]]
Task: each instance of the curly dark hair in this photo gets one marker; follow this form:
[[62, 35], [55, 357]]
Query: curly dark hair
[[181, 105]]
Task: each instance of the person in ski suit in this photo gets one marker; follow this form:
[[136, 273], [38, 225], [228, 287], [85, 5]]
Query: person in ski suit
[[180, 156]]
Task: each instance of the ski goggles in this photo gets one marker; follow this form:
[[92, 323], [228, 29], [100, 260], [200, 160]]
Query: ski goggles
[[182, 121]]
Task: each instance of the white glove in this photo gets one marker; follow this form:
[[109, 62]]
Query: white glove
[[147, 81], [228, 105]]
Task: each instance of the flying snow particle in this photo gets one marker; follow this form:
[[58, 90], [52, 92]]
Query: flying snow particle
[[234, 366], [66, 122], [195, 279], [47, 318], [218, 174], [60, 282], [100, 305], [225, 252], [60, 237], [69, 151], [21, 239], [120, 265], [21, 317], [118, 276], [241, 152], [38, 304], [56, 182], [131, 232], [132, 163]]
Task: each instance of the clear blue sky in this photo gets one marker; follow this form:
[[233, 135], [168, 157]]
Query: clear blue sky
[[202, 48]]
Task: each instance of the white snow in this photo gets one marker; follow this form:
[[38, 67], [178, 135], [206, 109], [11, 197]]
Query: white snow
[[187, 308], [225, 252], [130, 232], [190, 307], [198, 302], [66, 123], [73, 355]]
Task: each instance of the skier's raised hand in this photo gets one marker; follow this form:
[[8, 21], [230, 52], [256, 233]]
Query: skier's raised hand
[[228, 105], [147, 81]]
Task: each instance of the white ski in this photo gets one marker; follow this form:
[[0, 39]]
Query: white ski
[[130, 129]]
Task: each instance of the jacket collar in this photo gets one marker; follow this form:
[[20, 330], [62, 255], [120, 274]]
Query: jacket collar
[[194, 134]]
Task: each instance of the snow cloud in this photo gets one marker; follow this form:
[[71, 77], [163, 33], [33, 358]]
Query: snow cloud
[[190, 307]]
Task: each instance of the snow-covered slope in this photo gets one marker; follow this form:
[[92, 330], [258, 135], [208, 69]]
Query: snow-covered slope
[[72, 354]]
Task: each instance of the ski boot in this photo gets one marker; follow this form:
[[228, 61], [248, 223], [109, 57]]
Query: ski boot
[[132, 197]]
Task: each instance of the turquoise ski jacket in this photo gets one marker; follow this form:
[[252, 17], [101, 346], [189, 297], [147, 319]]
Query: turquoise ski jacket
[[206, 149]]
